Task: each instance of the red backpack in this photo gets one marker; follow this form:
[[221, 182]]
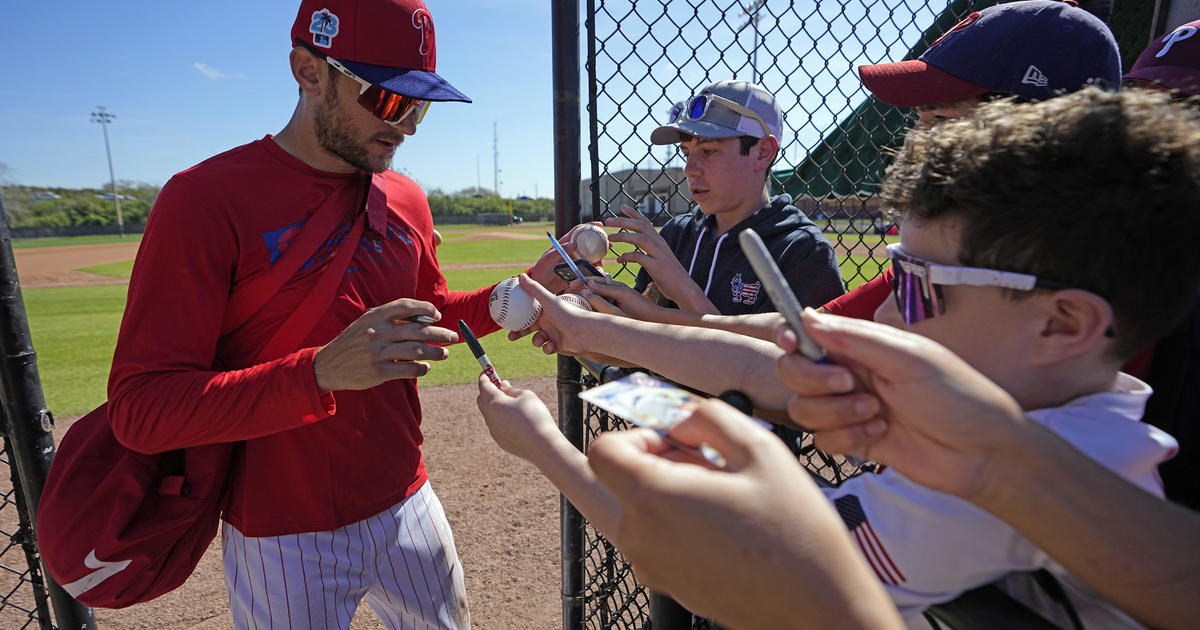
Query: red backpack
[[116, 527]]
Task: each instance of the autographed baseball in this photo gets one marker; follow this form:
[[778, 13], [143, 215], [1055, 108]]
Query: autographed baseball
[[591, 242], [511, 307], [576, 301]]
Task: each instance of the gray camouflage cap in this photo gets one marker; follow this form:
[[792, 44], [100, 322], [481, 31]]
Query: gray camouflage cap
[[725, 109]]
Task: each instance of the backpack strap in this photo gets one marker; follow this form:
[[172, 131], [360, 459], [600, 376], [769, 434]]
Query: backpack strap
[[300, 323], [250, 297]]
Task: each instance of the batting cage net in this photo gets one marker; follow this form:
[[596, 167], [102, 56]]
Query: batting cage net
[[642, 58]]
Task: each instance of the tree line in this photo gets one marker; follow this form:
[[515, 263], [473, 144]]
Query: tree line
[[28, 206]]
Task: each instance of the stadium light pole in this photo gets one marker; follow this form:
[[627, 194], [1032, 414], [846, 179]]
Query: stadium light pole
[[103, 116], [751, 11]]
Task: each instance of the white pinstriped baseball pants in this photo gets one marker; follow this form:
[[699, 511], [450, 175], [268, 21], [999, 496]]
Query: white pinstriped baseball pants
[[402, 560]]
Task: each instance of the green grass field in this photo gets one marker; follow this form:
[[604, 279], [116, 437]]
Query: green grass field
[[75, 329], [98, 239]]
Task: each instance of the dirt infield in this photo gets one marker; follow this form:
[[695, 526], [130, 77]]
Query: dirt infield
[[56, 266]]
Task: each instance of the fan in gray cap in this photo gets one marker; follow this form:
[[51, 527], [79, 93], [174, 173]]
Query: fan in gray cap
[[725, 109]]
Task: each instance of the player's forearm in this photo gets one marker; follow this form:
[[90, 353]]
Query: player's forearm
[[1141, 552]]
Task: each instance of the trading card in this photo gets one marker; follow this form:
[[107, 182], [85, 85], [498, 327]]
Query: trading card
[[643, 400]]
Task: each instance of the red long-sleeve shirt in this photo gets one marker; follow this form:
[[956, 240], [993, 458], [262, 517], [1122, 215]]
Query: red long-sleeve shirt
[[310, 462]]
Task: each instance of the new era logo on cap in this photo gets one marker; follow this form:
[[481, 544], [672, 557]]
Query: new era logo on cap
[[1033, 76]]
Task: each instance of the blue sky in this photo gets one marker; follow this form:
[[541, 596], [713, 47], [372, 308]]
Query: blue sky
[[187, 80]]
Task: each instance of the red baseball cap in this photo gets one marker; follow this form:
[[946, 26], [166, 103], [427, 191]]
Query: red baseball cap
[[1172, 61], [387, 42]]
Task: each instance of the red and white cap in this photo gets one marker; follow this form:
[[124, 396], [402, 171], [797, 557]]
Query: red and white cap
[[387, 42], [1172, 61]]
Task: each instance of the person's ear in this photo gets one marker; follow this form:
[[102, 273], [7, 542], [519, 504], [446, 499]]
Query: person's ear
[[764, 152], [1072, 322], [307, 69]]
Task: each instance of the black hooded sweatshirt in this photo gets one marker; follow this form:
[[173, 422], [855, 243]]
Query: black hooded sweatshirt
[[719, 267]]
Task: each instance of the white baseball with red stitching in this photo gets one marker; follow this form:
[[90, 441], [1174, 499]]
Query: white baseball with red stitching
[[511, 307], [591, 242], [576, 301]]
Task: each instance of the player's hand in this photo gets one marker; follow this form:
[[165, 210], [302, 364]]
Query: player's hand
[[543, 270], [517, 419], [923, 411], [655, 256], [560, 328], [739, 544], [382, 345]]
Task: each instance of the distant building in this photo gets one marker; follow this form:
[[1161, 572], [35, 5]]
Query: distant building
[[45, 196], [658, 193]]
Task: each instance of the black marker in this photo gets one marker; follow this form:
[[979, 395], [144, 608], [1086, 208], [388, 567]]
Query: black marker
[[477, 350]]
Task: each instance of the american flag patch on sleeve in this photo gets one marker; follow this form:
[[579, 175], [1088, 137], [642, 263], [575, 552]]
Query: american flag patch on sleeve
[[851, 511]]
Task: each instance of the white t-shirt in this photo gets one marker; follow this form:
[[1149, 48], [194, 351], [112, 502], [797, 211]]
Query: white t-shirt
[[927, 546]]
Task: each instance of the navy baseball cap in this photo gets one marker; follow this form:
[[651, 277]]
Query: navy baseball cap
[[1034, 49], [1172, 61], [387, 42], [725, 109]]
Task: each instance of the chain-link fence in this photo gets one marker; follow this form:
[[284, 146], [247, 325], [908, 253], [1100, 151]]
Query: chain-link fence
[[643, 57]]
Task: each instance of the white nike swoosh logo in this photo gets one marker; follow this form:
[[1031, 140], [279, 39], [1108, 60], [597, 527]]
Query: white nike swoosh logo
[[104, 570]]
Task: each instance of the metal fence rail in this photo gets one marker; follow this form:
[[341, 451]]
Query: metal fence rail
[[642, 57], [27, 595]]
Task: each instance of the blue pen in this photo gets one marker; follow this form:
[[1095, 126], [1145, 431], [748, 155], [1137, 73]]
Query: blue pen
[[570, 263]]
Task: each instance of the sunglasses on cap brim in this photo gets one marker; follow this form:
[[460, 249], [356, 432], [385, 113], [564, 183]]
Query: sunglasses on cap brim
[[917, 284], [386, 105], [698, 107]]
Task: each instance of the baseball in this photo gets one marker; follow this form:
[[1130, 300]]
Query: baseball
[[591, 242], [511, 307], [576, 301]]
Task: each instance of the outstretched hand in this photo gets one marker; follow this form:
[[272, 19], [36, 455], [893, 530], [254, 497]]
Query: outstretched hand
[[382, 345], [923, 411], [517, 419], [656, 257], [543, 270], [748, 544]]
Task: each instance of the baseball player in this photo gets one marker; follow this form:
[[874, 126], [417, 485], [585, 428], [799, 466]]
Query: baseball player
[[329, 500]]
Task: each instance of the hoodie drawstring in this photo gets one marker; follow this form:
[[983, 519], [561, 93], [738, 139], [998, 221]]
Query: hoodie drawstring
[[713, 266], [716, 252]]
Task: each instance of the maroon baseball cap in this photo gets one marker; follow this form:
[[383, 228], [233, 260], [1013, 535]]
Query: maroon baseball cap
[[1172, 61], [1034, 49], [387, 42]]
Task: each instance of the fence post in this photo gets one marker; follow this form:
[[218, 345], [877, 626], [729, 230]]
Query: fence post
[[565, 33], [29, 425]]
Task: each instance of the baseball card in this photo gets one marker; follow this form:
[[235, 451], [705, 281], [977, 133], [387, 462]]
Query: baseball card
[[643, 400], [654, 404]]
